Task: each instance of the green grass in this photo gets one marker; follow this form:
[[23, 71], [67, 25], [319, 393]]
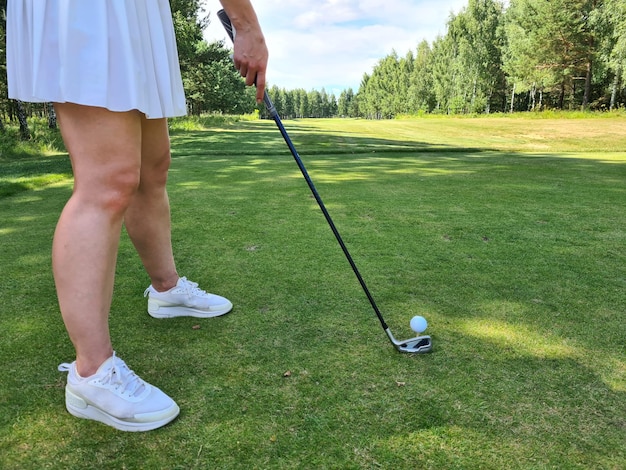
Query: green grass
[[507, 234], [34, 164]]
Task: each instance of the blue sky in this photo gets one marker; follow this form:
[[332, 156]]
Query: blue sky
[[331, 43]]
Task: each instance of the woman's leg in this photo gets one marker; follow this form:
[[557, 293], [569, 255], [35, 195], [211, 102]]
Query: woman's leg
[[147, 219], [148, 224], [105, 151]]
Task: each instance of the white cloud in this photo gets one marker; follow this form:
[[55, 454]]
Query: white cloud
[[332, 43]]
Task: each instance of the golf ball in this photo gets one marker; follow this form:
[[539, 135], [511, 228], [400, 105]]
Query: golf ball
[[418, 324]]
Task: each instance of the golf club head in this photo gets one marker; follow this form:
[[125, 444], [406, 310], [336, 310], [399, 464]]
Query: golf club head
[[417, 345]]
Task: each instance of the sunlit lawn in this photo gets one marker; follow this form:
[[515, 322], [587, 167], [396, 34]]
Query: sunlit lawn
[[507, 234]]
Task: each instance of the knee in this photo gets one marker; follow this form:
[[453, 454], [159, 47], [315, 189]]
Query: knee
[[162, 167], [154, 171], [124, 185], [113, 192]]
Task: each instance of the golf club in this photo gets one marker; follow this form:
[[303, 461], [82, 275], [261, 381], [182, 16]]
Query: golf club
[[418, 345]]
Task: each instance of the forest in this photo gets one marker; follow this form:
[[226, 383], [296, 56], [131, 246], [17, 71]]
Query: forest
[[495, 57], [527, 55]]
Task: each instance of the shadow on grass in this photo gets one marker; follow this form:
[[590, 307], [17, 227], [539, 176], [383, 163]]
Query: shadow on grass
[[254, 138]]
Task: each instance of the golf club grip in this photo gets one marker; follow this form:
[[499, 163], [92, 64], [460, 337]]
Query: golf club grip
[[228, 26], [223, 16]]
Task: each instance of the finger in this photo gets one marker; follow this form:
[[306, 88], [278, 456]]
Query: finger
[[260, 86], [251, 78]]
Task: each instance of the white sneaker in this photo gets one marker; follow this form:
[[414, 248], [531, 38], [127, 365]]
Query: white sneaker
[[116, 396], [185, 299]]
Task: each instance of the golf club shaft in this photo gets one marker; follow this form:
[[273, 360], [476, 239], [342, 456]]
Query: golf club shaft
[[272, 110]]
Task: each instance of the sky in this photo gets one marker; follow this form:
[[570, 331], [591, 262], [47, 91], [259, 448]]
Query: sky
[[330, 44]]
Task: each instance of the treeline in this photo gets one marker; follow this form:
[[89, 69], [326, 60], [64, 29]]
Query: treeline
[[531, 55], [300, 103]]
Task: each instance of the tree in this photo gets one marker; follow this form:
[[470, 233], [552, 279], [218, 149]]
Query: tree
[[3, 64], [315, 104], [305, 107], [324, 103], [613, 45], [476, 32], [444, 74], [21, 117], [552, 45], [383, 94], [521, 61], [420, 91], [344, 102]]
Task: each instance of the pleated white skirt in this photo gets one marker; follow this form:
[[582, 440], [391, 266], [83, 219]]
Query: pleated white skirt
[[116, 54]]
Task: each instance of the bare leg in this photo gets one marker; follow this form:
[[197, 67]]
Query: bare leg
[[105, 150], [149, 227], [147, 219]]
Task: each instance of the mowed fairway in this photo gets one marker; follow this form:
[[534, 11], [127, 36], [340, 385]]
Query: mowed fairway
[[507, 234]]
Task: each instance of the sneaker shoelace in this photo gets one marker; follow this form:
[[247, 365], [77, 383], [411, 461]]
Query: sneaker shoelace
[[121, 378], [191, 288]]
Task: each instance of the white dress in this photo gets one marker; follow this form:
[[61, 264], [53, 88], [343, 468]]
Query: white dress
[[115, 54]]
